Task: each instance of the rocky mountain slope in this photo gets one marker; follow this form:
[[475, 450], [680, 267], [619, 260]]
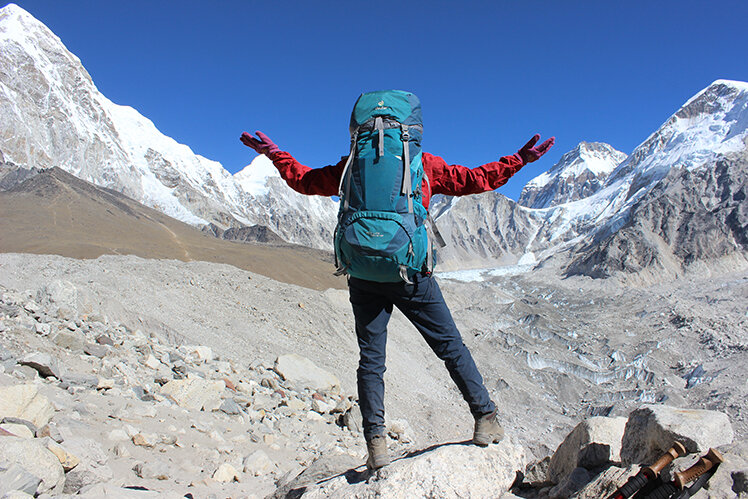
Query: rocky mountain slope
[[579, 173], [163, 374], [55, 116], [55, 212], [691, 221], [710, 129]]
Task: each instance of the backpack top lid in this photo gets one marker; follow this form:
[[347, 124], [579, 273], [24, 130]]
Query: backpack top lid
[[402, 106]]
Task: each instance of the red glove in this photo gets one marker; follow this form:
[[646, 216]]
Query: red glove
[[262, 144], [529, 153]]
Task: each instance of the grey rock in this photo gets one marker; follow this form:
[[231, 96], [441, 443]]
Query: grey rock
[[70, 341], [95, 350], [31, 454], [103, 339], [607, 482], [44, 363], [20, 421], [571, 483], [303, 372], [194, 393], [454, 470], [353, 418], [24, 372], [85, 380], [25, 402], [593, 442], [258, 463], [321, 469], [16, 477], [93, 467], [652, 429], [230, 407], [157, 470]]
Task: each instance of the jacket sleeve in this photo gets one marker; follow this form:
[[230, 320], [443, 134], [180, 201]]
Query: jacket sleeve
[[323, 181], [456, 180]]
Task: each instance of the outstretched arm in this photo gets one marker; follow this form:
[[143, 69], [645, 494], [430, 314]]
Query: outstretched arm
[[320, 181], [457, 180]]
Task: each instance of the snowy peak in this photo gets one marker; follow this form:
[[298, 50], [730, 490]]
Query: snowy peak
[[53, 115], [254, 177], [578, 174], [713, 122]]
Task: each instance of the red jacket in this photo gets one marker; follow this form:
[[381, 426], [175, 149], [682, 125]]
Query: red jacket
[[452, 180]]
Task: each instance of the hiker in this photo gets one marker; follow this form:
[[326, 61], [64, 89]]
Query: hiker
[[381, 243]]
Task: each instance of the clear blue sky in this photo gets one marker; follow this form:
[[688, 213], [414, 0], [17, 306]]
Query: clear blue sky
[[489, 74]]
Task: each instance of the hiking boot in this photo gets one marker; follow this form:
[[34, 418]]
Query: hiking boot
[[487, 430], [378, 456]]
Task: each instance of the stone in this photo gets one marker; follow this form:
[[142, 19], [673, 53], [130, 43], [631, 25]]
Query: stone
[[31, 454], [152, 362], [320, 406], [157, 470], [258, 463], [19, 494], [293, 483], [607, 482], [303, 372], [593, 442], [352, 419], [51, 431], [118, 435], [43, 328], [400, 430], [105, 340], [451, 470], [25, 402], [85, 380], [69, 341], [43, 363], [59, 292], [194, 393], [230, 407], [571, 483], [652, 429], [93, 467], [95, 350], [67, 460], [226, 473], [18, 430], [145, 440], [105, 384], [17, 478]]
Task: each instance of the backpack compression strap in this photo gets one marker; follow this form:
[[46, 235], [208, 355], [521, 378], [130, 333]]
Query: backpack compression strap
[[407, 189], [346, 177]]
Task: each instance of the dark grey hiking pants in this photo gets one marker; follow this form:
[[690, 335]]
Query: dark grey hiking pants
[[423, 304]]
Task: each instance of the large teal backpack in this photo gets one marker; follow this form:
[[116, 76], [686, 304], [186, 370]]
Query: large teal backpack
[[381, 234]]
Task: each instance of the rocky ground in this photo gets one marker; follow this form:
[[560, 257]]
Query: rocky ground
[[204, 379]]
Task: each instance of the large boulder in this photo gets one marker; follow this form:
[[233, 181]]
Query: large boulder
[[45, 364], [451, 470], [25, 402], [304, 373], [652, 429], [35, 458], [594, 442], [195, 393]]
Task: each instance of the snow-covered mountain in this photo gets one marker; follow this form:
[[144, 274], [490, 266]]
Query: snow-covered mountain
[[579, 173], [53, 115], [704, 139]]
